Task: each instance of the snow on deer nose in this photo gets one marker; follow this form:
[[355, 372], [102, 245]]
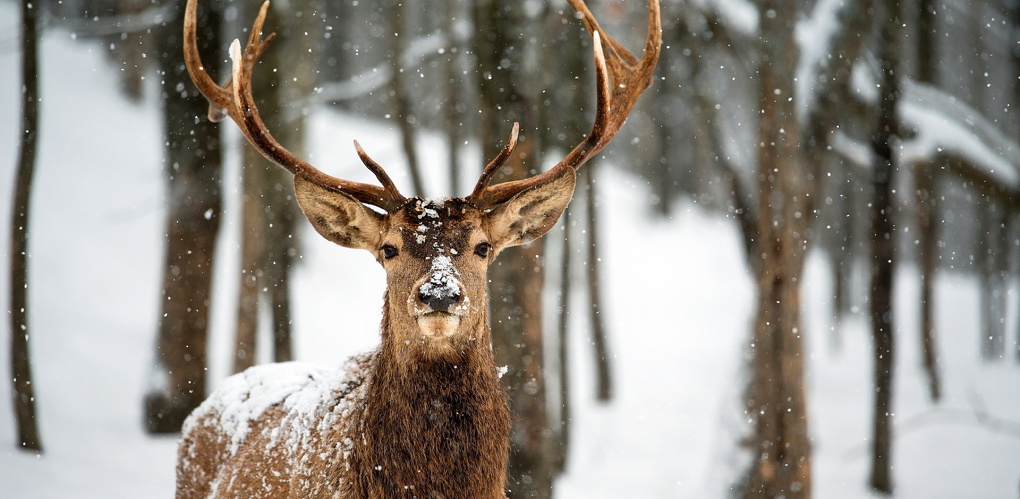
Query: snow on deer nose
[[441, 290]]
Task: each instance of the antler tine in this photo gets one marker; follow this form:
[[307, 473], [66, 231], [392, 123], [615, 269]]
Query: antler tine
[[235, 100], [494, 165], [378, 171], [630, 77]]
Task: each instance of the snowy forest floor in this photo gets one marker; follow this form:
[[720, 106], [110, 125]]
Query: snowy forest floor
[[679, 304]]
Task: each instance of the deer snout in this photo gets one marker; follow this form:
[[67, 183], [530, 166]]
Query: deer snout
[[439, 303], [440, 292]]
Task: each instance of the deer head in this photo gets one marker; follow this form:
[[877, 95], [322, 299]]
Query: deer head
[[435, 252]]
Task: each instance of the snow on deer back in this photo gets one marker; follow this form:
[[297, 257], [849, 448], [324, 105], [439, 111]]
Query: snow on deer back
[[283, 426]]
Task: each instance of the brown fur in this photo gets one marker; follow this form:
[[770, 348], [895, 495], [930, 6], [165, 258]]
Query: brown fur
[[425, 416]]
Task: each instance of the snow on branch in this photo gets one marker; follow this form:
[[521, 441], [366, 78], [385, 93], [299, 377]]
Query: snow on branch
[[857, 153], [418, 51], [939, 128], [828, 39], [739, 16], [944, 125], [112, 25]]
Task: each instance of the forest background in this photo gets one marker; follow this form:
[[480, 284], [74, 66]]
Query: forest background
[[805, 238]]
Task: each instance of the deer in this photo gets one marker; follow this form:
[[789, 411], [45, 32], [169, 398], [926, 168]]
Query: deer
[[423, 415]]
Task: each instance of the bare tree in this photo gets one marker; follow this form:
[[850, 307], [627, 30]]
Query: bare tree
[[1014, 15], [23, 391], [193, 166], [270, 244], [883, 247], [516, 279], [991, 260], [563, 119], [926, 184], [404, 111], [603, 365], [776, 401], [927, 210], [454, 89], [267, 233], [562, 447]]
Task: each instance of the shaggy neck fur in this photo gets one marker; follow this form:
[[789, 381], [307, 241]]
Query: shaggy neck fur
[[437, 427]]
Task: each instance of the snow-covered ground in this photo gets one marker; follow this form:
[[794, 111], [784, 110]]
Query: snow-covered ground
[[680, 302]]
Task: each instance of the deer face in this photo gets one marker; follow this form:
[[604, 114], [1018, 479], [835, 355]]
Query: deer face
[[436, 253]]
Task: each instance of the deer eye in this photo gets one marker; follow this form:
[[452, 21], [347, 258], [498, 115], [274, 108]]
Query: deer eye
[[482, 249], [389, 251]]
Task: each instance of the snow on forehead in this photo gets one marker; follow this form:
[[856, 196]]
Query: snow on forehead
[[430, 207], [437, 225]]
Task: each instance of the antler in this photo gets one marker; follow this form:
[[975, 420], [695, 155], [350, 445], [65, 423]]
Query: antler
[[630, 77], [235, 99]]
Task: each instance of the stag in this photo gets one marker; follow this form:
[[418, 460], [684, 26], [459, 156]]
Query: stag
[[424, 415]]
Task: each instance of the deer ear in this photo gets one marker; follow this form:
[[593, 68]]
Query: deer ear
[[339, 217], [532, 212]]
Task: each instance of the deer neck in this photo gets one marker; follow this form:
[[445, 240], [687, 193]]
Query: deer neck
[[439, 424]]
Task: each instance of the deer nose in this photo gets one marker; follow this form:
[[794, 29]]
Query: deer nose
[[440, 292]]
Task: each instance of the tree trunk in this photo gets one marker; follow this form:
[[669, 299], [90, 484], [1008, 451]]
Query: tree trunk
[[563, 349], [883, 250], [253, 221], [991, 262], [927, 205], [454, 88], [1014, 16], [927, 228], [22, 389], [269, 237], [776, 401], [564, 119], [302, 32], [843, 244], [403, 110], [517, 275], [603, 369], [193, 162]]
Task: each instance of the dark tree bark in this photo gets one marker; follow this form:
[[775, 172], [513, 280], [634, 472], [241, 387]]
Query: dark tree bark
[[991, 262], [883, 248], [603, 364], [776, 400], [404, 111], [454, 88], [130, 49], [516, 278], [564, 119], [23, 391], [1014, 15], [252, 246], [193, 164], [928, 233], [256, 207], [927, 73], [562, 348], [301, 33], [269, 238]]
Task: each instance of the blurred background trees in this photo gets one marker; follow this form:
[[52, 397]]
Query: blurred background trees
[[803, 121]]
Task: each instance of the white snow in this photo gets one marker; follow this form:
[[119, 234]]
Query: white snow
[[944, 124], [680, 303], [443, 281], [302, 390], [815, 36], [739, 15]]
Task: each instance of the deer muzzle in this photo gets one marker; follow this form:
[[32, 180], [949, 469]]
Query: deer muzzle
[[440, 300]]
